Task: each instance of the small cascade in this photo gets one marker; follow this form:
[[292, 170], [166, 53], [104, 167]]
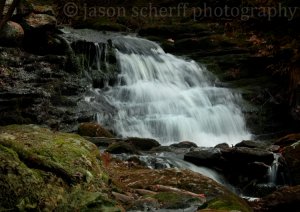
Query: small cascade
[[96, 63], [98, 56], [273, 170]]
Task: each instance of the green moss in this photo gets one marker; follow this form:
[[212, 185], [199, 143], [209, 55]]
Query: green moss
[[8, 152], [229, 202], [172, 200], [81, 200], [65, 154], [168, 197], [105, 178]]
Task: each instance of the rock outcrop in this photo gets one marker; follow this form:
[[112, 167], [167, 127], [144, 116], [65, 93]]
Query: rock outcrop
[[39, 89]]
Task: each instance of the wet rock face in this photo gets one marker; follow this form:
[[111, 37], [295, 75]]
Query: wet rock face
[[38, 89], [99, 61], [42, 170]]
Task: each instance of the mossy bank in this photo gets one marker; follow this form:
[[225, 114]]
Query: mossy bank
[[43, 170]]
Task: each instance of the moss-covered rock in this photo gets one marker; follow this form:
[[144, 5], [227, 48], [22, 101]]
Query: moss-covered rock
[[43, 170]]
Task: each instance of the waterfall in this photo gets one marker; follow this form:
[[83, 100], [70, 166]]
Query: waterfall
[[168, 98]]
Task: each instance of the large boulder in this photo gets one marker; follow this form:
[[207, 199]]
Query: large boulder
[[243, 167], [249, 144], [218, 157], [143, 144], [210, 157], [12, 34], [93, 130], [121, 147], [42, 170], [248, 155]]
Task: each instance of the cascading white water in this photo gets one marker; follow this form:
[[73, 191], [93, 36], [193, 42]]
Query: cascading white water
[[273, 170], [171, 99]]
